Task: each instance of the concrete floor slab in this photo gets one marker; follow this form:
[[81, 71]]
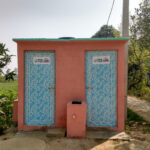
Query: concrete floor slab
[[107, 134], [37, 140], [23, 143]]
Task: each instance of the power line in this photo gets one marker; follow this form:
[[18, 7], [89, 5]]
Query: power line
[[110, 12]]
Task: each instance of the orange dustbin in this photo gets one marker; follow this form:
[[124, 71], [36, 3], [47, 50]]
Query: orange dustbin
[[76, 119]]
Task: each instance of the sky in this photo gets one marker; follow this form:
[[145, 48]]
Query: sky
[[55, 18]]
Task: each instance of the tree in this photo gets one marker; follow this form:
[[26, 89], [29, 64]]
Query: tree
[[5, 58], [16, 72], [10, 75], [106, 31], [139, 50]]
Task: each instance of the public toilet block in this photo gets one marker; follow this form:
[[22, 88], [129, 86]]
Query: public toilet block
[[54, 72]]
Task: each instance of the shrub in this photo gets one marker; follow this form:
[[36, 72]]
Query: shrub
[[6, 109]]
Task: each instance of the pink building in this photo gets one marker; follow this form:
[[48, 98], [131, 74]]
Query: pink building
[[54, 72]]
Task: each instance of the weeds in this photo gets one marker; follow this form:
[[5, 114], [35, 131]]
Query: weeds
[[7, 96], [136, 123]]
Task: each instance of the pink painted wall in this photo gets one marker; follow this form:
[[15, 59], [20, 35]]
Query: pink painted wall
[[70, 75], [15, 110]]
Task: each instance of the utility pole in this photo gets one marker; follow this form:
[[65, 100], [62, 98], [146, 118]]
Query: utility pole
[[125, 19], [125, 33]]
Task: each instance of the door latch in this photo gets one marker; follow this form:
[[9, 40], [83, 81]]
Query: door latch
[[89, 88], [51, 88]]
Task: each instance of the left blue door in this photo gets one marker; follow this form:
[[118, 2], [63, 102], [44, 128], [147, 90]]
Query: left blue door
[[39, 87]]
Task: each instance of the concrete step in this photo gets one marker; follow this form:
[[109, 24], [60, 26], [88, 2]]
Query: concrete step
[[107, 134], [56, 132]]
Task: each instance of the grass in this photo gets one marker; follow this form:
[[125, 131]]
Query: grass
[[8, 89], [136, 123], [132, 116], [8, 85], [145, 96], [8, 93]]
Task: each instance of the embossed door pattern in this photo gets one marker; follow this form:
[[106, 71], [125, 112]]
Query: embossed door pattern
[[39, 87], [101, 88]]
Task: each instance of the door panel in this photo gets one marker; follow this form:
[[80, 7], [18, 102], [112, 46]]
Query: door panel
[[39, 87], [101, 88]]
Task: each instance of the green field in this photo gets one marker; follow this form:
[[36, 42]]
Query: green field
[[8, 89], [9, 85], [8, 93]]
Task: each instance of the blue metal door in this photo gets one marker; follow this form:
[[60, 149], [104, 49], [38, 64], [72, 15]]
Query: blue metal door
[[101, 88], [39, 87]]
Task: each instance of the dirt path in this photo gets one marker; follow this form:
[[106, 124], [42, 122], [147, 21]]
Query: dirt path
[[37, 140], [141, 107]]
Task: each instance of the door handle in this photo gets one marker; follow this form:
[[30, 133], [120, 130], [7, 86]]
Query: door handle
[[89, 88], [50, 88]]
